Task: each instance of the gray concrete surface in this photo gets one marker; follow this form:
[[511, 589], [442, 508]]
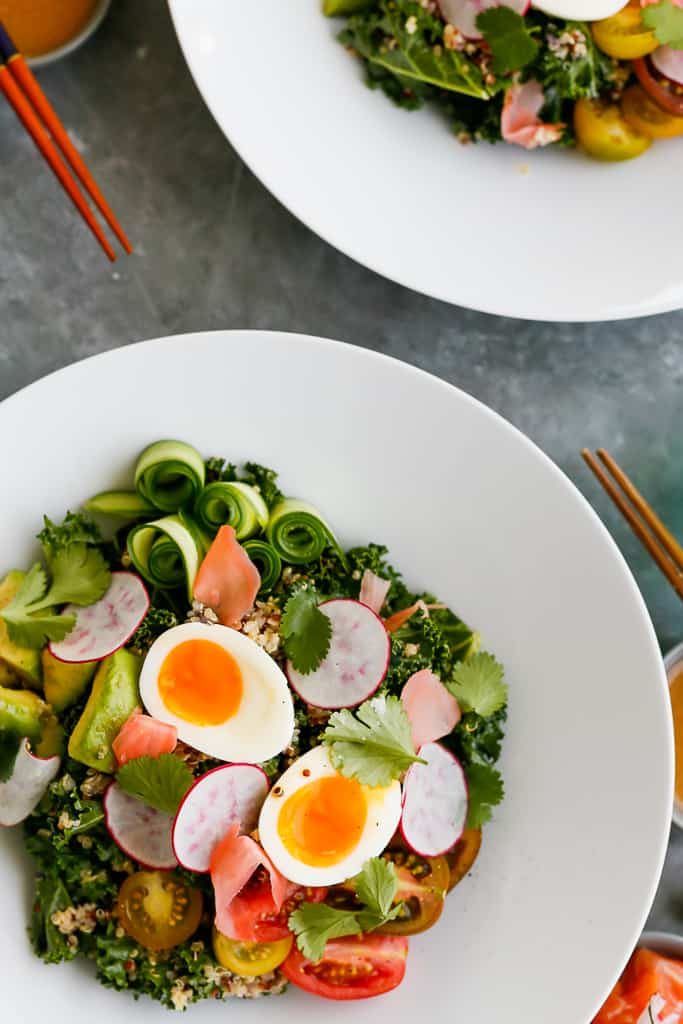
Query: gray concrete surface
[[214, 249]]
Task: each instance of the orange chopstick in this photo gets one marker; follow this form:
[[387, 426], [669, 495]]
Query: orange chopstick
[[29, 119], [27, 80]]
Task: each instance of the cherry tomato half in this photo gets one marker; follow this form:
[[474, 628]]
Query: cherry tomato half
[[422, 887], [624, 35], [643, 114], [158, 909], [603, 132], [250, 959], [667, 94], [463, 855], [253, 914], [352, 968]]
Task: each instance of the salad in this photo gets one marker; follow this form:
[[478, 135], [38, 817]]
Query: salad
[[596, 73], [241, 756]]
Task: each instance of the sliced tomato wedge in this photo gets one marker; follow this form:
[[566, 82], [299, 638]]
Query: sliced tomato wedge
[[352, 968], [646, 975], [253, 916], [647, 117], [463, 855], [142, 736], [666, 93]]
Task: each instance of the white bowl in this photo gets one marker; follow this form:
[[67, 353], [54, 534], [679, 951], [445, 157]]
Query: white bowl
[[72, 44], [471, 509], [671, 660], [543, 235], [663, 942]]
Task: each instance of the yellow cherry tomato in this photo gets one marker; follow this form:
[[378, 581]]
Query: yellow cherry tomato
[[624, 35], [604, 134], [158, 909], [643, 114], [250, 959]]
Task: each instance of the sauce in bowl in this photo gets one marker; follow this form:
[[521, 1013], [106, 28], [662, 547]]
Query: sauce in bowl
[[676, 692], [38, 27]]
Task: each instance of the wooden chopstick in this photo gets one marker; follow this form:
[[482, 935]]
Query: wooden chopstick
[[29, 88], [661, 545], [29, 119]]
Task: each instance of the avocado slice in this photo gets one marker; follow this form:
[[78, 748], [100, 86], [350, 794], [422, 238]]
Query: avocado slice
[[113, 698], [64, 682], [23, 713], [52, 740], [23, 662], [340, 8]]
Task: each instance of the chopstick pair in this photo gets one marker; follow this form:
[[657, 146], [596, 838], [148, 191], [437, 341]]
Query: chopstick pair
[[643, 520], [36, 113]]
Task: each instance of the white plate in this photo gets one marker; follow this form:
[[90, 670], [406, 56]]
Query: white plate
[[471, 509], [544, 235]]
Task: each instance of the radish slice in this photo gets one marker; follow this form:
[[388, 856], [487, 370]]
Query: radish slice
[[102, 628], [434, 802], [30, 777], [432, 711], [229, 795], [356, 662], [142, 736], [669, 62], [463, 14], [373, 591], [142, 832]]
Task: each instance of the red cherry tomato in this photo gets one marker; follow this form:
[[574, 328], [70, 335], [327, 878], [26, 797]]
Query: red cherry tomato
[[352, 968], [253, 913], [667, 94]]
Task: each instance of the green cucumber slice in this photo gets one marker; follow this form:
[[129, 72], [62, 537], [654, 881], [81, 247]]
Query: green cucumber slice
[[267, 561], [120, 505], [299, 533], [231, 503], [166, 553], [170, 474]]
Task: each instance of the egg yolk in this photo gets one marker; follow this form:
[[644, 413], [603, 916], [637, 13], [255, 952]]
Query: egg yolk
[[322, 822], [201, 682]]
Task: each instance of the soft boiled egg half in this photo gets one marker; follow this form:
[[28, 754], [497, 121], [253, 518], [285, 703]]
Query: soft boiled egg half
[[319, 827], [224, 694]]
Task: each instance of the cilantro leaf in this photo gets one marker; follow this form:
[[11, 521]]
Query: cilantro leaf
[[477, 684], [306, 630], [376, 885], [511, 42], [27, 629], [666, 21], [9, 748], [485, 791], [314, 924], [80, 576], [375, 746], [161, 782]]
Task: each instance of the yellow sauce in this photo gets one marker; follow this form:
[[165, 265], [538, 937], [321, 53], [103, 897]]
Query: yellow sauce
[[676, 692], [39, 26]]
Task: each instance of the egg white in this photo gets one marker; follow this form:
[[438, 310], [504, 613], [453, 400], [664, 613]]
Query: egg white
[[383, 815], [580, 10], [263, 724]]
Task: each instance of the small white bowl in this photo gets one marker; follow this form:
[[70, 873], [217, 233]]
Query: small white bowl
[[673, 658], [664, 943], [62, 51]]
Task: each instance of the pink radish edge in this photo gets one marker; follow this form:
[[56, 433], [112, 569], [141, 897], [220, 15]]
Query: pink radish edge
[[198, 782], [292, 674], [165, 865], [98, 654], [669, 62], [458, 831]]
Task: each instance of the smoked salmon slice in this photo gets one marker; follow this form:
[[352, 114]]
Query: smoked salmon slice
[[227, 581]]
